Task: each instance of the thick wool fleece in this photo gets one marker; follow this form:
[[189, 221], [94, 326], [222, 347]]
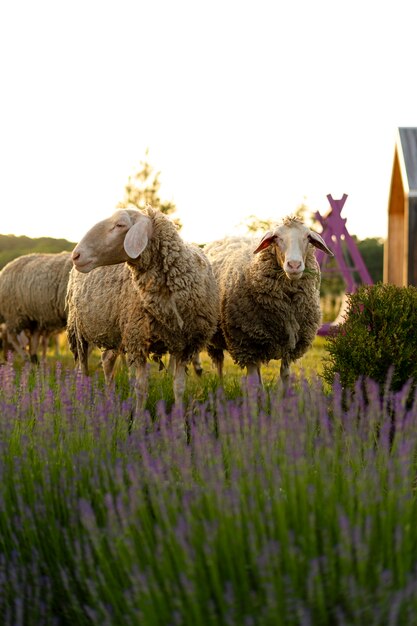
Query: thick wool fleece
[[32, 292], [264, 315], [166, 300]]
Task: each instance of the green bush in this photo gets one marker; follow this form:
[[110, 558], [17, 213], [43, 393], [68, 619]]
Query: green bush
[[378, 336]]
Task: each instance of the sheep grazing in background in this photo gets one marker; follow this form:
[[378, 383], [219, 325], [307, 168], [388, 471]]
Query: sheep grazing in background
[[269, 297], [137, 286], [25, 340], [6, 344], [32, 299]]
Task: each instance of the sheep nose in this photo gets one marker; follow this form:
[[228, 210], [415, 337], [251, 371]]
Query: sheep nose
[[75, 256], [294, 265]]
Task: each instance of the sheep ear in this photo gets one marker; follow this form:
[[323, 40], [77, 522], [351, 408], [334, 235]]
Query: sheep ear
[[266, 241], [137, 238], [316, 240]]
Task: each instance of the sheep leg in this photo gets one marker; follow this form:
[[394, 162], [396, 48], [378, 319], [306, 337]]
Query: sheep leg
[[179, 382], [171, 364], [108, 361], [47, 338], [196, 361], [254, 373], [56, 345], [141, 386], [33, 345], [285, 372], [82, 355], [219, 365], [217, 357], [198, 368], [16, 345], [44, 341]]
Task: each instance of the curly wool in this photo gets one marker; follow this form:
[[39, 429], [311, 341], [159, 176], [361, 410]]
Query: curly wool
[[32, 292], [264, 315], [164, 301]]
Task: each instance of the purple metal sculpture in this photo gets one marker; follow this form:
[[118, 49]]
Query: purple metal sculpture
[[336, 237]]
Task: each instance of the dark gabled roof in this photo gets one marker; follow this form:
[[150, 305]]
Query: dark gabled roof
[[408, 146]]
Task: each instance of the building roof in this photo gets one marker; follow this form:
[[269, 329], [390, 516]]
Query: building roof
[[407, 144]]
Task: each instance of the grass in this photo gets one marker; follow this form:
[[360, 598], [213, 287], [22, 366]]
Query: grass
[[246, 508], [309, 366]]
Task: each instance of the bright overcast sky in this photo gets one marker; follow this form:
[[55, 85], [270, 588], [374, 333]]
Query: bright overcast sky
[[246, 108]]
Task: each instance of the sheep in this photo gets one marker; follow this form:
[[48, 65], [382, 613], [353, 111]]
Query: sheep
[[5, 338], [137, 287], [25, 338], [269, 297], [32, 298]]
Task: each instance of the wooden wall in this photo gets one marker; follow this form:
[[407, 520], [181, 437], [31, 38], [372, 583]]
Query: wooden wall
[[396, 246], [412, 241]]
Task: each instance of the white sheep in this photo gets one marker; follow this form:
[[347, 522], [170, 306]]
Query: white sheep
[[32, 298], [269, 297], [137, 286]]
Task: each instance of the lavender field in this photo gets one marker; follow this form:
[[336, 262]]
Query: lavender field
[[240, 510]]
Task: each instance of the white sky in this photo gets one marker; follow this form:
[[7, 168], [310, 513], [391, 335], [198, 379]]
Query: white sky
[[246, 107]]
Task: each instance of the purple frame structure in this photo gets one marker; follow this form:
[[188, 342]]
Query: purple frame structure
[[335, 234]]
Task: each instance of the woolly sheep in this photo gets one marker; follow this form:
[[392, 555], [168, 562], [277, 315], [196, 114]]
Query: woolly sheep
[[32, 298], [269, 297], [137, 286]]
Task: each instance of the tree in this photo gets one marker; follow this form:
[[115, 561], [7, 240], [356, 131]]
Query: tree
[[143, 187], [372, 251], [257, 226]]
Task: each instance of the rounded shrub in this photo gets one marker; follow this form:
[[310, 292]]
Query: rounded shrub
[[378, 336]]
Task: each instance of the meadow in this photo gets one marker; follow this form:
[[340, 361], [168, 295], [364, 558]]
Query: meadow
[[244, 508]]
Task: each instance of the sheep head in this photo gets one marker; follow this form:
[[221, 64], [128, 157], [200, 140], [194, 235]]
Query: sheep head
[[291, 240], [119, 238]]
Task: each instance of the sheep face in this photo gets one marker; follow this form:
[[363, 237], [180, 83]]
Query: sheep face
[[291, 240], [119, 238]]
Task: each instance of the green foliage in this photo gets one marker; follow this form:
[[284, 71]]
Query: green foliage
[[378, 337], [332, 282], [372, 252], [12, 246], [255, 225], [143, 188]]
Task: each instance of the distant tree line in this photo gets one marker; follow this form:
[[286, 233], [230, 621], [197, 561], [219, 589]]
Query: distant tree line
[[372, 251], [12, 246]]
